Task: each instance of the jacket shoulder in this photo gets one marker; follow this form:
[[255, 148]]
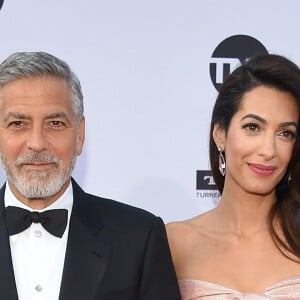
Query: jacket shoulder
[[111, 211]]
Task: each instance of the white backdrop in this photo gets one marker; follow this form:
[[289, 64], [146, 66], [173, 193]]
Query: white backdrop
[[144, 69]]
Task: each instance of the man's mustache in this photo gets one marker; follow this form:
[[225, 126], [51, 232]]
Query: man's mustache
[[28, 158]]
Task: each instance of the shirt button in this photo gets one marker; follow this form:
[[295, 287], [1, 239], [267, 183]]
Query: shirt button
[[38, 288], [37, 233]]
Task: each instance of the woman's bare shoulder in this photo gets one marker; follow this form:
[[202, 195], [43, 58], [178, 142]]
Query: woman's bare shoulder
[[181, 233], [188, 226], [186, 236]]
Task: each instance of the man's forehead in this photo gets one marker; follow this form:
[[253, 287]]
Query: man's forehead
[[30, 87]]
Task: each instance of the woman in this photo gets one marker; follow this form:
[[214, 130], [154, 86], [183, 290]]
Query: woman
[[248, 247]]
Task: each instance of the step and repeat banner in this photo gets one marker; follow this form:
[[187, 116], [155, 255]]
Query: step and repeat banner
[[150, 73]]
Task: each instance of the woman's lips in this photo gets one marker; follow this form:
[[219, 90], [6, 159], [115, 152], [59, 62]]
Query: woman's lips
[[262, 169]]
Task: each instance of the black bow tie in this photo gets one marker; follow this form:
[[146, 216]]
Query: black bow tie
[[19, 219]]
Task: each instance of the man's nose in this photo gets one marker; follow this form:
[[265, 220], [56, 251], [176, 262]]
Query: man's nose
[[36, 140]]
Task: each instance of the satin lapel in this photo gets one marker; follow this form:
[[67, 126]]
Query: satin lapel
[[87, 251], [8, 290]]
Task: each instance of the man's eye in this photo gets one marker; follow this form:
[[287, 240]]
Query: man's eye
[[16, 124], [57, 123]]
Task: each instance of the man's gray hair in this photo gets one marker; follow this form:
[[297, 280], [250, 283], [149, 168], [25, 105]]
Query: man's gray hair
[[34, 64]]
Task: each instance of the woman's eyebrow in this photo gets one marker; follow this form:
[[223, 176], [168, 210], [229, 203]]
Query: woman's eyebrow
[[253, 116], [258, 118]]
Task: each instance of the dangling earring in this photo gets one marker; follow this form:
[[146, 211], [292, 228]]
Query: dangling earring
[[222, 163]]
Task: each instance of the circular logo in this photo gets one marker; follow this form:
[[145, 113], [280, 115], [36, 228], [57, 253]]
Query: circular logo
[[1, 3], [230, 53]]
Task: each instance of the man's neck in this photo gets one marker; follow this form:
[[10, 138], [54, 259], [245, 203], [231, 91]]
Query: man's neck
[[36, 203]]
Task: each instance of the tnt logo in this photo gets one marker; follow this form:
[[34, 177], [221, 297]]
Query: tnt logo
[[222, 67], [230, 53]]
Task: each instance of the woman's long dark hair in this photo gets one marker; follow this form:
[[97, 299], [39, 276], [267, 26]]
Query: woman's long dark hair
[[279, 73]]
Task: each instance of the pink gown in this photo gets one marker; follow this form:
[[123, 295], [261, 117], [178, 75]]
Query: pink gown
[[197, 289]]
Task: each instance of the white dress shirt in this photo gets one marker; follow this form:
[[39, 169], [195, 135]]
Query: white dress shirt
[[38, 256]]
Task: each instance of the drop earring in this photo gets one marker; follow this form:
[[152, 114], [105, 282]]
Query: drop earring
[[222, 163]]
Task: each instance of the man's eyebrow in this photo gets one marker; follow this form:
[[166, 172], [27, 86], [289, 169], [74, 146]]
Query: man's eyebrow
[[258, 118], [59, 114], [16, 115], [22, 116]]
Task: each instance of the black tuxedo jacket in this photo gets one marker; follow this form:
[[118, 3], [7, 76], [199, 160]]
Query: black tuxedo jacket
[[114, 252]]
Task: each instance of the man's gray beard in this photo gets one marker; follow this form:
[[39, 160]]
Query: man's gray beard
[[38, 184]]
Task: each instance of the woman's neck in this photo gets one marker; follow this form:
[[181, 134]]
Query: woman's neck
[[244, 213]]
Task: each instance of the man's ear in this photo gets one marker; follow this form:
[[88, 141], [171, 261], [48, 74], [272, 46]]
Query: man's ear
[[219, 136], [80, 136]]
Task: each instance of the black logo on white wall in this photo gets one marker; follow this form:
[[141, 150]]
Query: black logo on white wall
[[231, 52], [206, 187], [1, 3], [205, 180], [228, 54]]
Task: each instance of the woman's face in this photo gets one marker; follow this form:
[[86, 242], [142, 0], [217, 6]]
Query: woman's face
[[259, 141]]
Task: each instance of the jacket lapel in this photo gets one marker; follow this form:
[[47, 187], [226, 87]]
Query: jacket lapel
[[8, 290], [87, 251]]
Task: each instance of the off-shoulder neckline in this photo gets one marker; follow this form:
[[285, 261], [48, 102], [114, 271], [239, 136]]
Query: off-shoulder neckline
[[275, 285]]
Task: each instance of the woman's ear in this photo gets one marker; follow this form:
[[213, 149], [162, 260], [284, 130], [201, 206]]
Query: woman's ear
[[219, 136]]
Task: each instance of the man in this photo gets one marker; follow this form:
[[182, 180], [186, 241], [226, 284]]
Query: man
[[56, 241]]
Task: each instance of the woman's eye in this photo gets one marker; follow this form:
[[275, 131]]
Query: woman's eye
[[288, 134], [251, 127]]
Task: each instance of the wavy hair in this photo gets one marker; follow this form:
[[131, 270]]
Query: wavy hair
[[34, 64], [280, 73]]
